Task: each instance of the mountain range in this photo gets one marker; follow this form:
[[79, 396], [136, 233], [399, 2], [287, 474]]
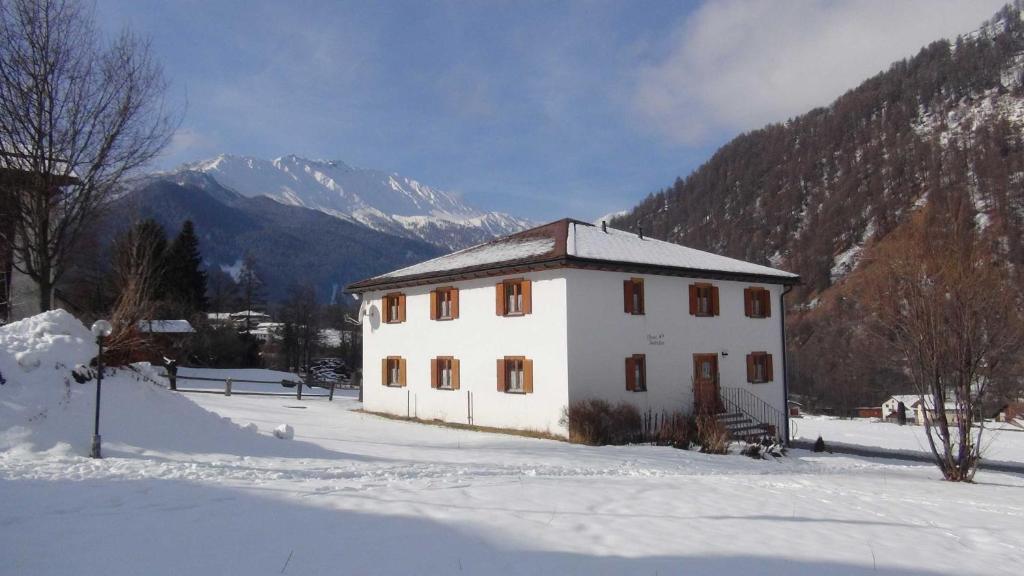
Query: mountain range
[[816, 193]]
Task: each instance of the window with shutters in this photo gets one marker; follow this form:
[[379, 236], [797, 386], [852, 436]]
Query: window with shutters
[[757, 302], [444, 373], [514, 297], [636, 373], [515, 375], [394, 308], [633, 296], [444, 304], [703, 300], [393, 368], [759, 367]]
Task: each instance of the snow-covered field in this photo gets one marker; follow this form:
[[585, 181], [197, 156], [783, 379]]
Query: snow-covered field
[[1003, 442], [189, 487]]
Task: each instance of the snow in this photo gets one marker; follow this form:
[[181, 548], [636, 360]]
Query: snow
[[490, 253], [284, 432], [621, 246], [1002, 442], [188, 487], [165, 326]]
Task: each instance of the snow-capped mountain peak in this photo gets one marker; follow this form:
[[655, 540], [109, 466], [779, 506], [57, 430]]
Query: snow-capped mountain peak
[[388, 202]]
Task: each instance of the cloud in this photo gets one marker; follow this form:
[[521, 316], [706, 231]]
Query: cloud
[[736, 65]]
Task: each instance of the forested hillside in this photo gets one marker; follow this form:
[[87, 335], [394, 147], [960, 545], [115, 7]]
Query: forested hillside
[[814, 195]]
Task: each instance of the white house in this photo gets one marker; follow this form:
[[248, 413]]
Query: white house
[[510, 332], [916, 409]]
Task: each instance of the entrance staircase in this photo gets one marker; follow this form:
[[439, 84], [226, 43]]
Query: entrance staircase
[[746, 417]]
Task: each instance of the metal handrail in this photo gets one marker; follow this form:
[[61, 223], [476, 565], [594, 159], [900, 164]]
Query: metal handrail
[[750, 405]]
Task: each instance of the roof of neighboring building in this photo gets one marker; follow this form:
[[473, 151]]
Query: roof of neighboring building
[[165, 326], [571, 243]]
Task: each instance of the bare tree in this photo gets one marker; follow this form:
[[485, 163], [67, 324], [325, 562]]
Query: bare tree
[[946, 302], [251, 287], [302, 312], [138, 260], [77, 114]]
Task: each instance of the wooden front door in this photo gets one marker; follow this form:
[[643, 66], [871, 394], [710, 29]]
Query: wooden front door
[[705, 383]]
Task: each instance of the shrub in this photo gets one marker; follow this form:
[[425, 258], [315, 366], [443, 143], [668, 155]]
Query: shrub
[[819, 445], [677, 430], [597, 422], [711, 435], [763, 449]]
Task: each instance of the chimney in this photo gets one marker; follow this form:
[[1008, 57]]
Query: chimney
[[640, 231], [604, 226]]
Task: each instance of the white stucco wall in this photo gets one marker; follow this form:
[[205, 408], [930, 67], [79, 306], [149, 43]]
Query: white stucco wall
[[477, 338], [601, 336]]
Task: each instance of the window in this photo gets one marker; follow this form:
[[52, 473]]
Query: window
[[515, 375], [394, 308], [393, 371], [703, 300], [636, 373], [444, 304], [633, 295], [513, 297], [757, 302], [759, 367], [444, 373]]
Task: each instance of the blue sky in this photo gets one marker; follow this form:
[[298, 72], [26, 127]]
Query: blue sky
[[540, 109]]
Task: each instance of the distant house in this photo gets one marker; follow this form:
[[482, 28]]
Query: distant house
[[868, 412], [917, 408], [163, 339], [1010, 412], [511, 332], [267, 331]]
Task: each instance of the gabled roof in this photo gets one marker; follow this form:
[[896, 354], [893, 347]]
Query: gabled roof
[[571, 243]]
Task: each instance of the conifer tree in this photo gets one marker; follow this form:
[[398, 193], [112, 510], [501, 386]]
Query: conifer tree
[[184, 277]]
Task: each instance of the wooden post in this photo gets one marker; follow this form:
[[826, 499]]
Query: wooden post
[[330, 397], [298, 390], [227, 386]]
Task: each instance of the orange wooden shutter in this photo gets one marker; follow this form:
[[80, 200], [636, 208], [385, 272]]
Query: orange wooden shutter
[[527, 296], [499, 299], [501, 375], [433, 372], [401, 307], [433, 304], [693, 299], [768, 371], [627, 296], [642, 359], [748, 302], [638, 285], [528, 376], [750, 367], [767, 305], [401, 371], [455, 302], [455, 374], [630, 374], [384, 371], [714, 300]]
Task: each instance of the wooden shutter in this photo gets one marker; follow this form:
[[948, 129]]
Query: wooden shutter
[[693, 299], [384, 371], [433, 373], [455, 374], [455, 302], [750, 368], [768, 371], [401, 308], [528, 376], [433, 304], [748, 302], [766, 295], [502, 387], [631, 373], [527, 287], [627, 296], [638, 285], [714, 300], [401, 372], [499, 299], [642, 359]]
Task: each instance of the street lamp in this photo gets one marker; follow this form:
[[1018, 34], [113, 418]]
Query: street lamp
[[100, 329]]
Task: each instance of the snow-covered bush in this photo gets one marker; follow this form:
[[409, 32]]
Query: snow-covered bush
[[284, 432]]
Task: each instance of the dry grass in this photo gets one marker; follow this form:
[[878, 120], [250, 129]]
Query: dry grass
[[471, 427]]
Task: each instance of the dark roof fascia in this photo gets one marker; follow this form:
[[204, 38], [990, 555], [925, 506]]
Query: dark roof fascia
[[534, 264]]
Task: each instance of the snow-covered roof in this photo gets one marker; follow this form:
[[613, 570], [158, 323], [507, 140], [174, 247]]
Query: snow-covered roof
[[570, 242], [165, 326]]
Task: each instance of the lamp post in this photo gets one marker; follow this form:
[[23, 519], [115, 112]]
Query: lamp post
[[100, 329]]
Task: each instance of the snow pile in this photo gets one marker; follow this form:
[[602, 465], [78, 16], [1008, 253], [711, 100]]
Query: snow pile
[[284, 432], [44, 410]]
